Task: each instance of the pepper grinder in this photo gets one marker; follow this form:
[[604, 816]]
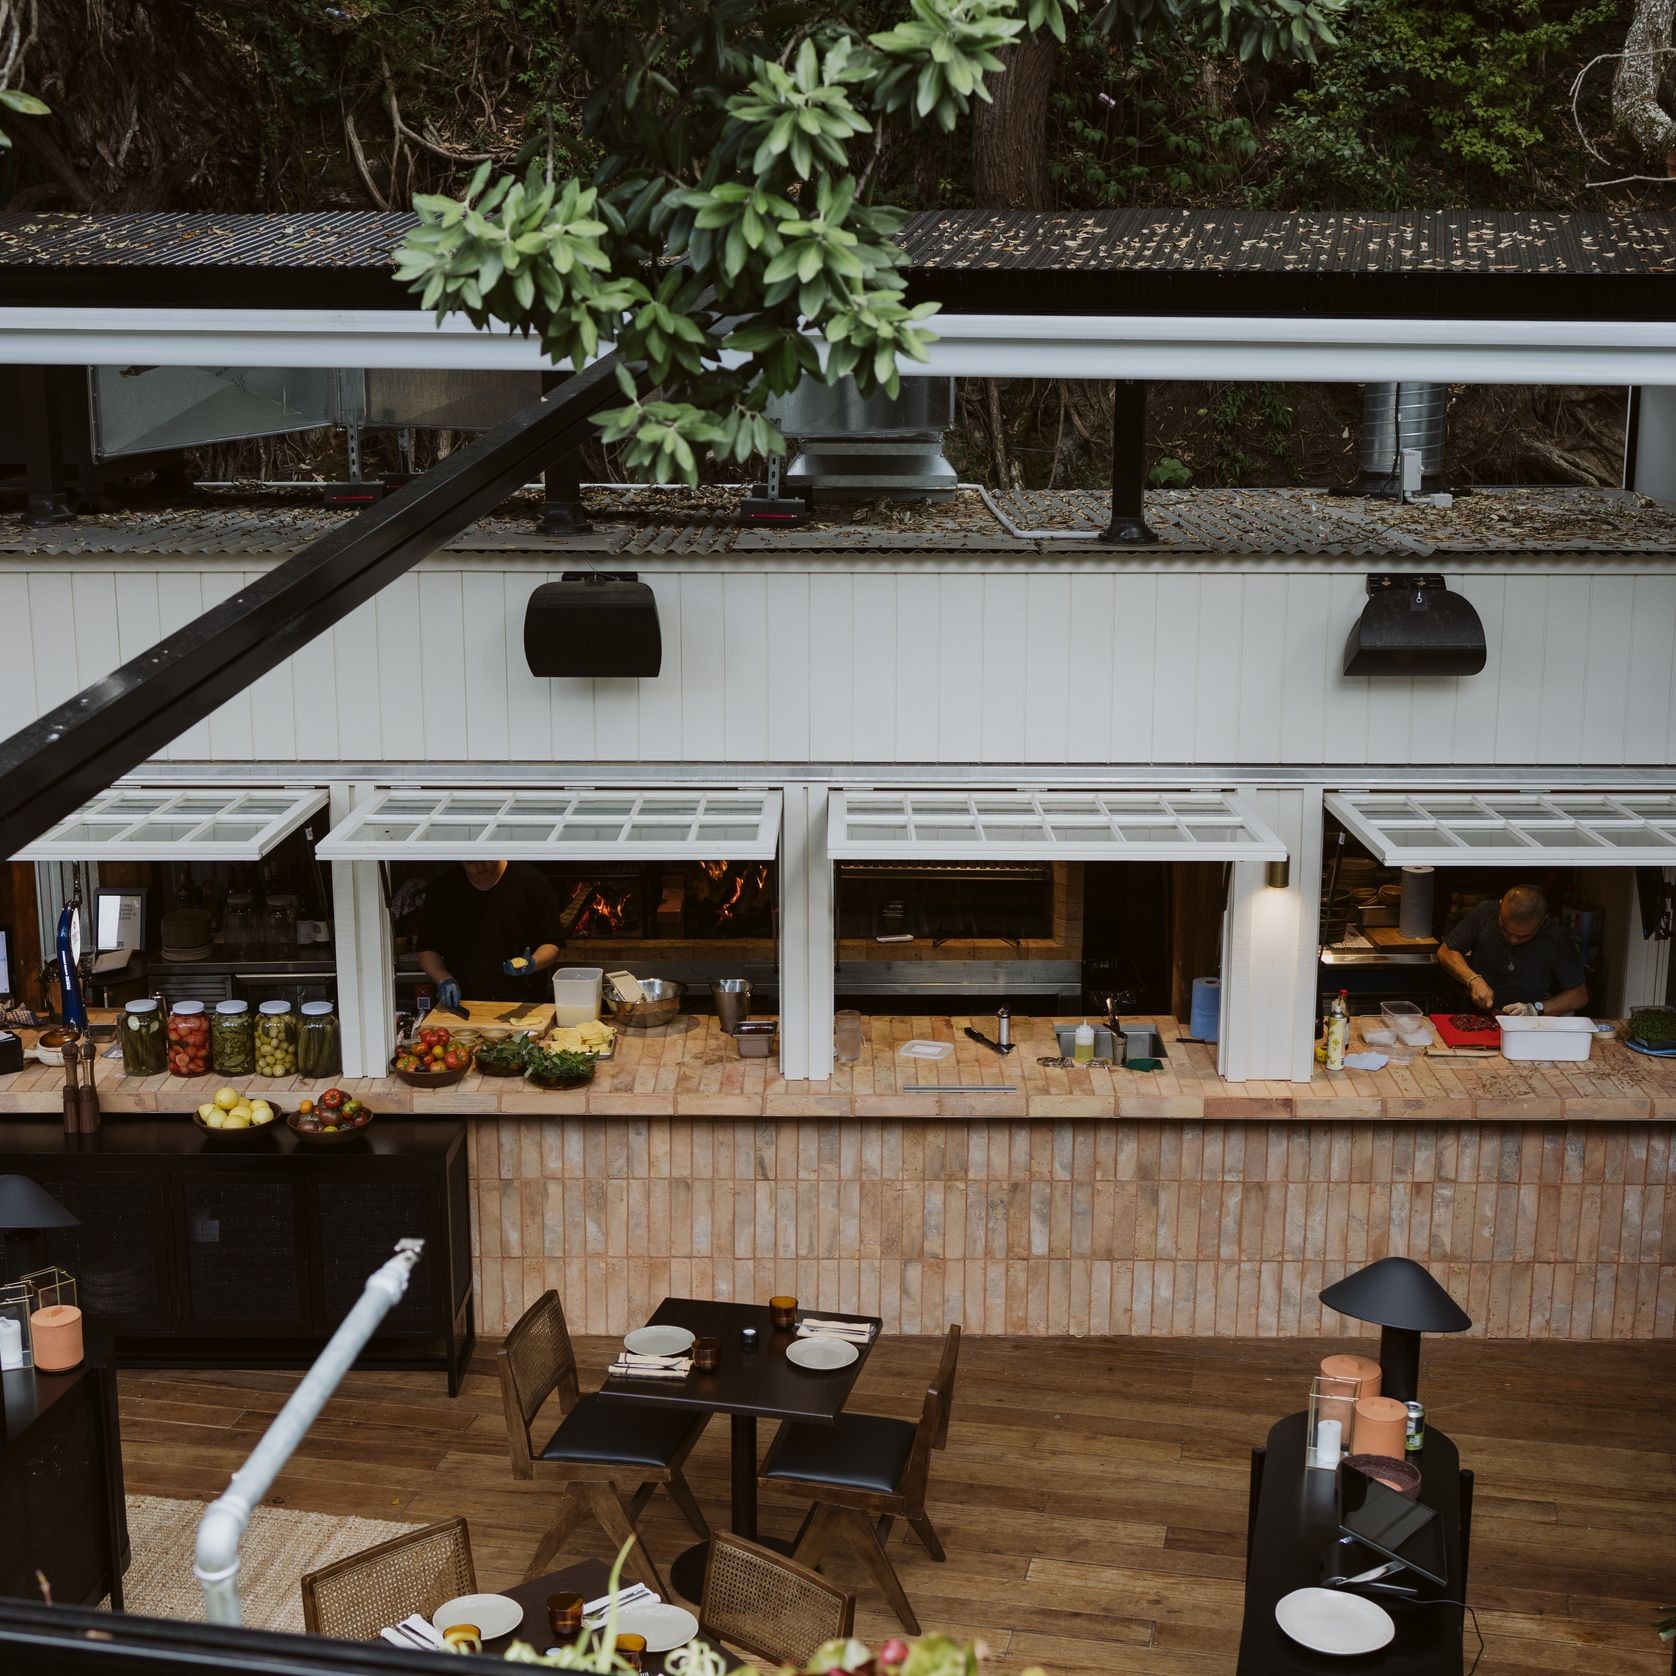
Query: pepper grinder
[[87, 1108], [1003, 1028], [72, 1099]]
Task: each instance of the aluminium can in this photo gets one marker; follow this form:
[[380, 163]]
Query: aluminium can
[[1415, 1433]]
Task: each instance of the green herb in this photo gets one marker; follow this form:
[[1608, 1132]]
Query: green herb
[[504, 1058], [1656, 1026], [559, 1069]]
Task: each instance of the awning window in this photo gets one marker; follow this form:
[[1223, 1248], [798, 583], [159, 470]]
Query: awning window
[[160, 823], [1118, 825], [408, 824], [1497, 829]]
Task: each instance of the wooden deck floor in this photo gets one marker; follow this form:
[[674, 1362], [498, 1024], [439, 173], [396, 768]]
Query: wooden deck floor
[[1092, 1497]]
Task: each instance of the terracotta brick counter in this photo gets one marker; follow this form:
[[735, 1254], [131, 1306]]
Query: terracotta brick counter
[[695, 1071]]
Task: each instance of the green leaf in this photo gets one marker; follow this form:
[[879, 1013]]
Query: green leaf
[[25, 104]]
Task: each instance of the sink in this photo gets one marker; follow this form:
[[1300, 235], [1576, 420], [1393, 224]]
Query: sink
[[1108, 1047], [1142, 1041]]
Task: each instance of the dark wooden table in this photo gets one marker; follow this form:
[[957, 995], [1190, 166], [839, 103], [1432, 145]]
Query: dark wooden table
[[61, 1501], [589, 1579], [1294, 1545], [749, 1385]]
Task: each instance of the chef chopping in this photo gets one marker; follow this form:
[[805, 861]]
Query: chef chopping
[[1513, 958]]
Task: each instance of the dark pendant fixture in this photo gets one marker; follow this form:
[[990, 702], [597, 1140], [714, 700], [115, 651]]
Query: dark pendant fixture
[[593, 623], [1414, 625], [1402, 1299]]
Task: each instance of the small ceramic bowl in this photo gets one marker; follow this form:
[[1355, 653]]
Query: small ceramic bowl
[[1401, 1476]]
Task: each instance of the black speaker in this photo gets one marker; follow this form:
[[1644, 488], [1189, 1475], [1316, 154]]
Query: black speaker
[[1413, 625], [593, 623]]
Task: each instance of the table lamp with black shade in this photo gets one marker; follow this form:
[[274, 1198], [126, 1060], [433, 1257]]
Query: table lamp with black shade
[[1403, 1300], [27, 1211]]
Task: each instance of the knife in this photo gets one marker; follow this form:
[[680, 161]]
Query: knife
[[988, 1042]]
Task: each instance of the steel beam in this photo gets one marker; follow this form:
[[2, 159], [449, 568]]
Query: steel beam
[[50, 768]]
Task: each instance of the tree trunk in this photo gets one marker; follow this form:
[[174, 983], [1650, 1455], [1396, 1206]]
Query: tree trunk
[[1009, 135], [1636, 110]]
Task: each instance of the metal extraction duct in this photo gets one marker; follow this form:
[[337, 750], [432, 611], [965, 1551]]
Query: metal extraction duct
[[855, 447], [1396, 417]]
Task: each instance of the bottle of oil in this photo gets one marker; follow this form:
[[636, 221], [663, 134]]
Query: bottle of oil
[[1082, 1047], [1338, 1030]]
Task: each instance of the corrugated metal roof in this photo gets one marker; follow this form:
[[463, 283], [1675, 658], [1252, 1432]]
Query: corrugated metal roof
[[1139, 241], [1208, 522]]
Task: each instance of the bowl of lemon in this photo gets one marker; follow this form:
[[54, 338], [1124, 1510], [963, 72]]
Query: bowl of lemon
[[234, 1116]]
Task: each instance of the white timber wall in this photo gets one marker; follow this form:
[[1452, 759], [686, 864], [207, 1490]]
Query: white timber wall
[[892, 659]]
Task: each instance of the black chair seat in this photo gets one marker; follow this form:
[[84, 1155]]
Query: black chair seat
[[599, 1432], [860, 1452]]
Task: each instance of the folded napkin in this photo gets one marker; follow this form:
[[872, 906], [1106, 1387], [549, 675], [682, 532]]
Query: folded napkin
[[651, 1367], [811, 1326], [594, 1612], [420, 1627]]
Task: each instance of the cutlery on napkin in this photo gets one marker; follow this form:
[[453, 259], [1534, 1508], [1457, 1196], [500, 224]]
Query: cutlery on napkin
[[812, 1326], [413, 1631], [642, 1366], [595, 1612]]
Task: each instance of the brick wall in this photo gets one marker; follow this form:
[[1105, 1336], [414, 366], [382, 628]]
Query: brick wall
[[1540, 1230]]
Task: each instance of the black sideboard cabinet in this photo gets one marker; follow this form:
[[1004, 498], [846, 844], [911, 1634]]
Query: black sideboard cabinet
[[249, 1253]]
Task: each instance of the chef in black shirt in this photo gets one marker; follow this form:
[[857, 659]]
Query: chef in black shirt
[[486, 929], [1514, 959]]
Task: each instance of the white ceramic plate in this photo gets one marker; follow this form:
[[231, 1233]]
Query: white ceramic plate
[[665, 1627], [659, 1341], [1330, 1621], [821, 1354], [493, 1614]]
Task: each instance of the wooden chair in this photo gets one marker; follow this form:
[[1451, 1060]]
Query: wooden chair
[[354, 1598], [768, 1606], [861, 1474], [599, 1445]]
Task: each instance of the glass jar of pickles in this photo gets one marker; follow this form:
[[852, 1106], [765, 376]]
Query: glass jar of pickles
[[141, 1031], [319, 1041], [232, 1039], [276, 1040], [188, 1039]]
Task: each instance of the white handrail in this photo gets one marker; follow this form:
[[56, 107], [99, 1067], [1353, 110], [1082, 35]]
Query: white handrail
[[216, 1565]]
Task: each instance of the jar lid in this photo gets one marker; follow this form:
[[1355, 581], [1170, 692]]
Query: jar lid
[[282, 900], [232, 1009], [238, 899], [316, 1009], [146, 1004], [274, 1008], [190, 1008]]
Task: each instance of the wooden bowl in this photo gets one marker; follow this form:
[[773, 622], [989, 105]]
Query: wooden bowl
[[431, 1079], [239, 1135], [318, 1137]]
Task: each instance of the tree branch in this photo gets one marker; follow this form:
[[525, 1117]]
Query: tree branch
[[1636, 110]]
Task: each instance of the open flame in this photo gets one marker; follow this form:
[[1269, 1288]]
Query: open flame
[[756, 877], [602, 915]]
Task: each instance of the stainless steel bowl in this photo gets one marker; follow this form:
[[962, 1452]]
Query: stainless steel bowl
[[662, 1003]]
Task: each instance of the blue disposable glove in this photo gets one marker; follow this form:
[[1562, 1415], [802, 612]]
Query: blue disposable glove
[[448, 995], [527, 970]]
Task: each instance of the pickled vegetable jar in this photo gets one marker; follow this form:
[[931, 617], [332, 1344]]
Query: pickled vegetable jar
[[141, 1030], [319, 1041], [232, 1039], [276, 1040], [188, 1038]]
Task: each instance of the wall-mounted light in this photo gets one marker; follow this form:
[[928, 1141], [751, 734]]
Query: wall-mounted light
[[1278, 874], [593, 623], [1413, 625]]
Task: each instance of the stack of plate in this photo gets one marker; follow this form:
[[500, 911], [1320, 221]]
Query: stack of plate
[[187, 935]]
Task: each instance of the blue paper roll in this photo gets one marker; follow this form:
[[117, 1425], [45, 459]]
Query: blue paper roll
[[1205, 1017]]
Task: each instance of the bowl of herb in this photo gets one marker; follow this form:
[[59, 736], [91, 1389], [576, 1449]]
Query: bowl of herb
[[508, 1057], [560, 1069], [1652, 1030]]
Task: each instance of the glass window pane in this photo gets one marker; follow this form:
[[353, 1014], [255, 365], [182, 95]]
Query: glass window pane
[[651, 832], [590, 832], [882, 832], [726, 833], [1228, 834], [387, 832], [1420, 838], [1485, 837], [1563, 837], [945, 832], [1083, 834], [1166, 832], [1636, 838]]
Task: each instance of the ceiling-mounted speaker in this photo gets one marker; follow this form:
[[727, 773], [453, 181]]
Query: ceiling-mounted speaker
[[1413, 625], [593, 623]]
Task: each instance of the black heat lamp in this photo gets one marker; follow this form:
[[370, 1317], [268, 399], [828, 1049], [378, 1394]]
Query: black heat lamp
[[1413, 625], [592, 623], [1403, 1301], [27, 1210]]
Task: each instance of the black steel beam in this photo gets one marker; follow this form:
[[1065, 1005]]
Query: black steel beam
[[50, 768], [1128, 521]]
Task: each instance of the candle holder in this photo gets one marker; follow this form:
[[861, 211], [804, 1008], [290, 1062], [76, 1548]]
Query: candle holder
[[782, 1313], [16, 1306], [52, 1287], [1330, 1399]]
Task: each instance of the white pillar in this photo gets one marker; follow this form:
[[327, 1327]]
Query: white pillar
[[807, 947], [1650, 442], [364, 952], [1270, 950]]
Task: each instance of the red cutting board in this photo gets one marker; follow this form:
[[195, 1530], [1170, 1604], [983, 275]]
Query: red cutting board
[[1489, 1036]]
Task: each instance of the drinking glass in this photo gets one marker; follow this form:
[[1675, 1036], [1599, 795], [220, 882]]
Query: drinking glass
[[783, 1313], [631, 1649], [846, 1035], [707, 1354], [564, 1614]]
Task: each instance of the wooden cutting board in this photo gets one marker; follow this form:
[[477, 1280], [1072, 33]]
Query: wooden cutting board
[[520, 1015], [1389, 937]]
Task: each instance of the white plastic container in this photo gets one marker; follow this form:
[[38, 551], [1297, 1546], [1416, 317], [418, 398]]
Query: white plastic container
[[1546, 1038], [1403, 1018], [576, 994]]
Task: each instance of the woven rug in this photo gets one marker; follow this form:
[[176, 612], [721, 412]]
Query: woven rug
[[280, 1545]]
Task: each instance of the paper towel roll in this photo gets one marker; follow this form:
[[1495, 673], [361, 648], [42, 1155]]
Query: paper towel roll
[[1414, 918], [1205, 1015]]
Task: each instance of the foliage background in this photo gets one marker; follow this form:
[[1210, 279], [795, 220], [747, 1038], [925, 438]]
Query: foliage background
[[277, 104]]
